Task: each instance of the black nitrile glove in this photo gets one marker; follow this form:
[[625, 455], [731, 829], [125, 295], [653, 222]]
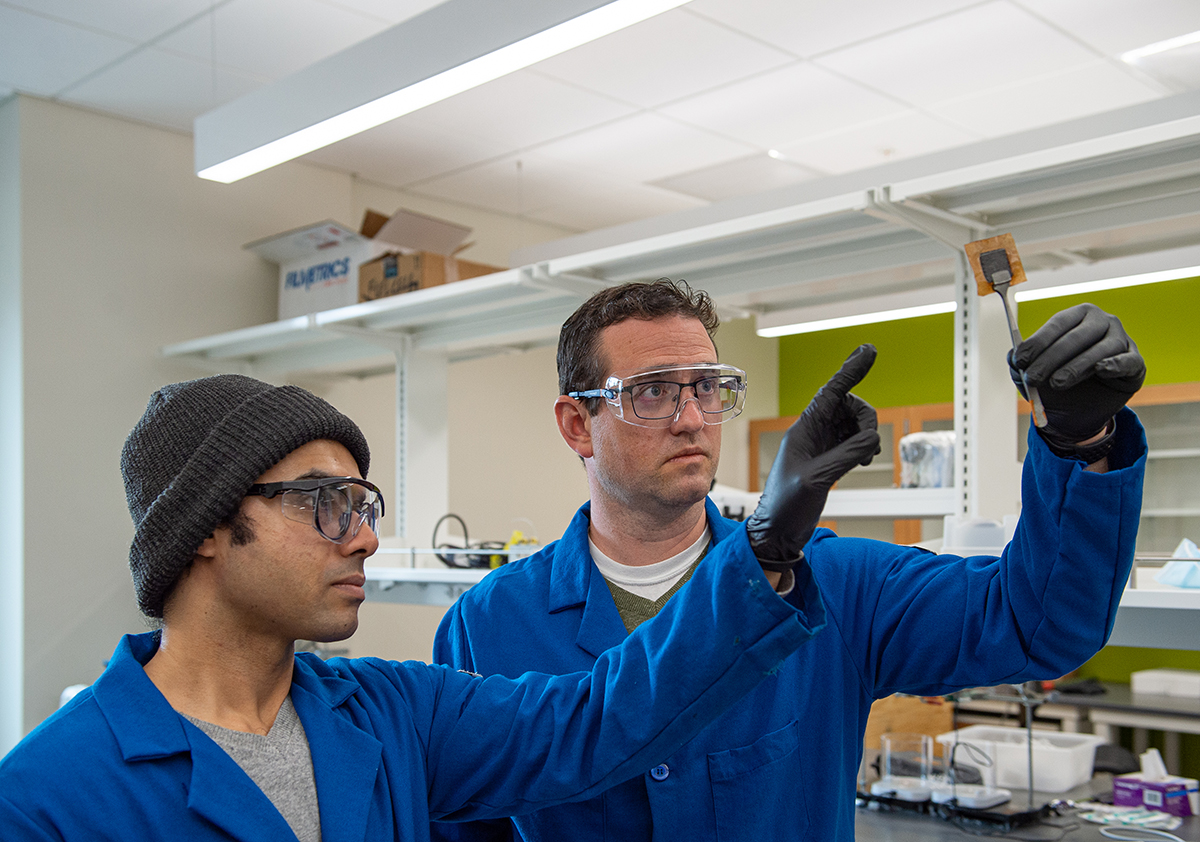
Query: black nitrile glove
[[836, 432], [1085, 368]]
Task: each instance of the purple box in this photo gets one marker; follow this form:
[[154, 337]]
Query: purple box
[[1172, 795]]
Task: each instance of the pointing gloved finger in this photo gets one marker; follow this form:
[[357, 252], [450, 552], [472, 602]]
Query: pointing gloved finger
[[853, 370]]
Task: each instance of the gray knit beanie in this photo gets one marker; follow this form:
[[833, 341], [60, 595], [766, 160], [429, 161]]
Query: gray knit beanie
[[198, 447]]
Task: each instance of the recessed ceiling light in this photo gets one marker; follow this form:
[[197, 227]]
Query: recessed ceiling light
[[1157, 47]]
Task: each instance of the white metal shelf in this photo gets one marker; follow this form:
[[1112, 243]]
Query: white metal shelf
[[420, 585], [1180, 598], [1158, 618], [1108, 187], [890, 503]]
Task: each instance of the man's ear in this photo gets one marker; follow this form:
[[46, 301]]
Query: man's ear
[[208, 547], [574, 424]]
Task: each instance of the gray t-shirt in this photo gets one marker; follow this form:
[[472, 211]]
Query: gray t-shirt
[[280, 763]]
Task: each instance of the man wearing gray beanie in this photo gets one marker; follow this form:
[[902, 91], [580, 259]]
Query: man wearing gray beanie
[[252, 522]]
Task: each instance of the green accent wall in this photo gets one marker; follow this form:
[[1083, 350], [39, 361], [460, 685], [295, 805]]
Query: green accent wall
[[1163, 319], [915, 363], [915, 366]]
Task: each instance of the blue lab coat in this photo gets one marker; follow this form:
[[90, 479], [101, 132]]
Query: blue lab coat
[[394, 744], [782, 764]]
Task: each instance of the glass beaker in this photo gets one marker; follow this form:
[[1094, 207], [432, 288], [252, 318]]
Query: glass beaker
[[906, 755]]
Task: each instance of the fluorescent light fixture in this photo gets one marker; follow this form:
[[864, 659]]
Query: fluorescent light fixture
[[1157, 47], [1021, 294], [531, 49], [861, 319], [1111, 283]]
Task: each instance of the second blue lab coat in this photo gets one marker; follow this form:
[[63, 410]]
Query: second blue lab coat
[[782, 765]]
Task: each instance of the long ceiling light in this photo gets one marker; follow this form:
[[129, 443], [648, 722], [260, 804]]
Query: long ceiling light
[[860, 319], [546, 28], [1022, 294], [1157, 47], [1109, 283]]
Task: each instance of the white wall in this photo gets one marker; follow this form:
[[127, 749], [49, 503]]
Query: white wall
[[123, 250], [12, 474]]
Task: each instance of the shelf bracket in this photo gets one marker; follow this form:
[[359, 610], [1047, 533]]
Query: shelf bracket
[[397, 342], [538, 276], [950, 229]]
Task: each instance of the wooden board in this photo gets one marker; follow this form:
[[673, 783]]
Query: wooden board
[[1004, 241]]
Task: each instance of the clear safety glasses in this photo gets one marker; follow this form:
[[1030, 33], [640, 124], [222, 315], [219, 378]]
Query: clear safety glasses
[[337, 507], [654, 398]]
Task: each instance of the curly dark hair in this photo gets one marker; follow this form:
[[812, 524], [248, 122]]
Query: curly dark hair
[[579, 364]]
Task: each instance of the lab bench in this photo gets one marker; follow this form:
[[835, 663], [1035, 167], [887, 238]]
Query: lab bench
[[900, 824], [875, 826]]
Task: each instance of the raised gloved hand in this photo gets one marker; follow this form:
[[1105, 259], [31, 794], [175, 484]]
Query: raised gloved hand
[[1085, 368], [836, 432]]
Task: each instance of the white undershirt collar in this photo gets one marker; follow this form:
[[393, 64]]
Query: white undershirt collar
[[649, 581]]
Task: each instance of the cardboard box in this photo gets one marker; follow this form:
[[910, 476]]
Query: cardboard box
[[319, 264], [1167, 682], [1172, 794], [393, 273]]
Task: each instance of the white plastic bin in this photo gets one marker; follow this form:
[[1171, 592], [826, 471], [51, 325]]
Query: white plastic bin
[[1061, 761]]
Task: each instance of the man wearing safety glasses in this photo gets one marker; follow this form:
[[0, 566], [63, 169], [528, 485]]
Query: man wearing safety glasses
[[643, 397], [252, 524]]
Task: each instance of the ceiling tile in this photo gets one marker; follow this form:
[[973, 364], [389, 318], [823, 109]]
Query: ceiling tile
[[40, 56], [519, 110], [1078, 92], [866, 145], [588, 207], [392, 11], [741, 177], [643, 147], [783, 106], [136, 20], [667, 57], [515, 184], [982, 47], [1114, 26], [272, 38], [399, 154], [812, 27], [546, 190], [162, 88]]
